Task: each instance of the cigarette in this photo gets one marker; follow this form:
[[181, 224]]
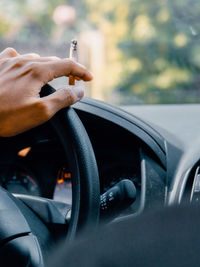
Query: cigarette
[[73, 55]]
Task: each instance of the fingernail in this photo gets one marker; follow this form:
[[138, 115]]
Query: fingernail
[[78, 91], [92, 76]]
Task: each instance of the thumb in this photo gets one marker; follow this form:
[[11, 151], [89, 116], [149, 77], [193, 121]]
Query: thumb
[[62, 98]]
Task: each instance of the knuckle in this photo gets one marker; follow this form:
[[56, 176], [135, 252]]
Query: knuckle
[[11, 52], [13, 63], [4, 61], [33, 68], [17, 62], [53, 58], [35, 55]]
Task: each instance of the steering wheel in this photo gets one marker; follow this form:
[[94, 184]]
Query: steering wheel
[[20, 228]]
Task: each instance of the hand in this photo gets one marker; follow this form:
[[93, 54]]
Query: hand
[[21, 80]]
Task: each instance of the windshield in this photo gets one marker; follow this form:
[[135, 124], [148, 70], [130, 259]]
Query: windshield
[[140, 51]]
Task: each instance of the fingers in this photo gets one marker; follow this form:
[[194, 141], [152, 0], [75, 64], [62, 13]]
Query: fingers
[[46, 68], [38, 110], [8, 52], [37, 58], [63, 67], [30, 56], [62, 98], [45, 108], [11, 52]]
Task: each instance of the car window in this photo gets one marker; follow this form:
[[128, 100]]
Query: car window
[[140, 51]]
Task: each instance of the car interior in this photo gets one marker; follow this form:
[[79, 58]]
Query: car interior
[[99, 163]]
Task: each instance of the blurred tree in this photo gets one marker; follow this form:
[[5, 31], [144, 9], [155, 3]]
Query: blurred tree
[[30, 20], [153, 48]]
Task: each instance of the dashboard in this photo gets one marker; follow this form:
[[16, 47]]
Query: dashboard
[[180, 126], [143, 144], [40, 168], [153, 149]]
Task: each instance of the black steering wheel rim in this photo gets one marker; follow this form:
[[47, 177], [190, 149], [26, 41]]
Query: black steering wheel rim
[[82, 163], [80, 157]]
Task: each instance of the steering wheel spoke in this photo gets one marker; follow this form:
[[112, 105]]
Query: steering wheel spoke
[[53, 213]]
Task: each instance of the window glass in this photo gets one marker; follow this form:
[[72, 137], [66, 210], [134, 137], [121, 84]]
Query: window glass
[[140, 51]]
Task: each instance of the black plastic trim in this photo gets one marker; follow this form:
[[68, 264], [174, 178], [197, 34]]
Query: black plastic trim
[[127, 121]]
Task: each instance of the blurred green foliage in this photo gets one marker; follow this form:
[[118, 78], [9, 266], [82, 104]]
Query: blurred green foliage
[[152, 46], [157, 43]]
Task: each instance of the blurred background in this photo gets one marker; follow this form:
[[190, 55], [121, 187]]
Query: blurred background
[[140, 51]]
